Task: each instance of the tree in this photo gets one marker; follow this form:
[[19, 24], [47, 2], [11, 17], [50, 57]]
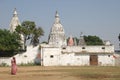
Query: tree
[[93, 40], [26, 28], [37, 33], [29, 30], [9, 43]]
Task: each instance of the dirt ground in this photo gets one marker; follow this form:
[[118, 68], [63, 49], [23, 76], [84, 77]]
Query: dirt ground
[[61, 73], [35, 73]]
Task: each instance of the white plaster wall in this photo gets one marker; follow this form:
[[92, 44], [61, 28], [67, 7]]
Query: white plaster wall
[[48, 60], [74, 60], [81, 59], [106, 60], [6, 60], [108, 49], [67, 59], [91, 49], [28, 57], [75, 56]]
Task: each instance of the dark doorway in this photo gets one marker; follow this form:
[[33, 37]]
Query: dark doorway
[[93, 60]]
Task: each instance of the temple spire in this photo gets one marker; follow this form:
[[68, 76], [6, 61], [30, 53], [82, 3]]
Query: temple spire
[[57, 19], [14, 21], [57, 34], [81, 40]]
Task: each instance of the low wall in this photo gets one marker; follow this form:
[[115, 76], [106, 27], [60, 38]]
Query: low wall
[[27, 57]]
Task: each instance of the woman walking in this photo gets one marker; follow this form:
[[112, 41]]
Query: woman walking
[[13, 66]]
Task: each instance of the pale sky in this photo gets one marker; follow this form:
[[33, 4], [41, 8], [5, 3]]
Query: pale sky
[[92, 17]]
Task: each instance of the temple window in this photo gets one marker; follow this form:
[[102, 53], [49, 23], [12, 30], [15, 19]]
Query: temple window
[[83, 47], [103, 47], [51, 56]]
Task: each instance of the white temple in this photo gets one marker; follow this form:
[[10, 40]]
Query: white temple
[[60, 53], [57, 34], [13, 24], [14, 21]]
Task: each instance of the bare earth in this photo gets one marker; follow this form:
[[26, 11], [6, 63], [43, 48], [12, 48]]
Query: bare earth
[[61, 73], [34, 73]]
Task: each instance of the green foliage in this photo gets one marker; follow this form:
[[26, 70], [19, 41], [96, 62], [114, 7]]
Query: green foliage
[[9, 42], [93, 40], [30, 31], [37, 32]]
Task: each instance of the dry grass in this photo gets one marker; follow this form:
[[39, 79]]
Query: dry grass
[[61, 73]]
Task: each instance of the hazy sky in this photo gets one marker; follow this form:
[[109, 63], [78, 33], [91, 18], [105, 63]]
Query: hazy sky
[[92, 17]]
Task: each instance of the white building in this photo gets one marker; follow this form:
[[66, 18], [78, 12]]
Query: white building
[[58, 53]]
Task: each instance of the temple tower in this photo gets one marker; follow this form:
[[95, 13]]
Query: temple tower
[[81, 40], [57, 34], [14, 21], [70, 41], [13, 24]]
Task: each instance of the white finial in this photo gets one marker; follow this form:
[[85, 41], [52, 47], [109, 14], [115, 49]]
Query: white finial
[[15, 12], [57, 19], [56, 15], [81, 34]]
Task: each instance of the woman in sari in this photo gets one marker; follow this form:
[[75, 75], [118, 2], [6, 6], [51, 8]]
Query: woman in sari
[[13, 66]]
